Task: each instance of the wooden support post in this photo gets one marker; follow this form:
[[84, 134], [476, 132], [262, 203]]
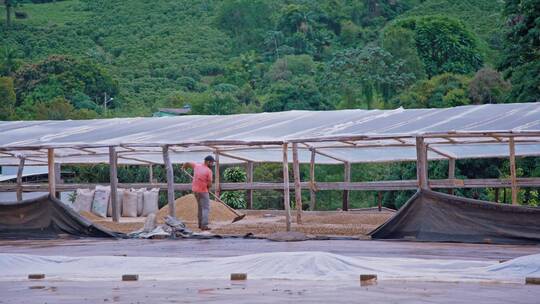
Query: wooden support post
[[312, 194], [52, 175], [170, 181], [249, 192], [421, 164], [297, 189], [496, 195], [347, 179], [217, 183], [451, 172], [379, 200], [513, 170], [58, 176], [19, 179], [150, 174], [113, 174], [286, 199]]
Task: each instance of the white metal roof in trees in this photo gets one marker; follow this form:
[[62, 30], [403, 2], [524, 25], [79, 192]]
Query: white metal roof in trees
[[476, 131]]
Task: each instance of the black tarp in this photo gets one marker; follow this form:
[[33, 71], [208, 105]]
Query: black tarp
[[45, 217], [439, 217]]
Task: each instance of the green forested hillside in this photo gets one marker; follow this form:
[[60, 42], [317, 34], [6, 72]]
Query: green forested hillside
[[167, 52], [61, 59]]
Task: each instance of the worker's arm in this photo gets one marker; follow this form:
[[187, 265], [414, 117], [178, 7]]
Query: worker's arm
[[187, 165], [210, 181]]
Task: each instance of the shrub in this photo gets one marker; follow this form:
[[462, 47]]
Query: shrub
[[235, 199]]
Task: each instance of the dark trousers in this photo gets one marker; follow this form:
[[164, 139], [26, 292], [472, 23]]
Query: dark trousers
[[203, 204]]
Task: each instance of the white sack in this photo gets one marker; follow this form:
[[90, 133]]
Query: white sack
[[129, 204], [83, 200], [140, 200], [102, 196], [150, 201], [119, 200]]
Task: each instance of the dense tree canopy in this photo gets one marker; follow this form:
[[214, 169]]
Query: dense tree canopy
[[444, 44], [521, 62], [438, 92], [488, 86], [80, 82], [371, 70]]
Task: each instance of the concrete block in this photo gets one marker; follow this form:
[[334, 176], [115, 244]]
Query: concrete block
[[36, 276], [238, 276], [532, 280], [36, 287], [368, 279], [130, 277]]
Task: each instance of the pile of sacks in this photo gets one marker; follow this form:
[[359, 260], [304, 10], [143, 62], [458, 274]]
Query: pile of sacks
[[132, 202]]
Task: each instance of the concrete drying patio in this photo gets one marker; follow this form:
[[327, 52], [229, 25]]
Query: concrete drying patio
[[338, 289]]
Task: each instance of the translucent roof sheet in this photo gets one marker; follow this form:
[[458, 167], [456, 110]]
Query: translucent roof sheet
[[387, 134]]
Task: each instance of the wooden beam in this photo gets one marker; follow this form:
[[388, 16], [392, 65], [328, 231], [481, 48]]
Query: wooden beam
[[513, 176], [360, 146], [58, 176], [421, 164], [297, 189], [449, 139], [52, 175], [438, 151], [170, 181], [451, 172], [87, 150], [349, 143], [142, 161], [312, 194], [286, 199], [113, 174], [19, 179], [331, 156], [217, 177], [347, 179], [379, 200], [249, 193], [396, 185], [235, 157]]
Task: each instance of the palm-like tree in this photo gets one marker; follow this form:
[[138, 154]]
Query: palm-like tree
[[8, 61], [9, 4]]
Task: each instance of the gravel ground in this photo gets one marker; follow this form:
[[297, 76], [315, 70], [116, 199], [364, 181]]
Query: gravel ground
[[264, 222]]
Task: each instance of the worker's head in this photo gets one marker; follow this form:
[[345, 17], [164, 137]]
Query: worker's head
[[209, 161]]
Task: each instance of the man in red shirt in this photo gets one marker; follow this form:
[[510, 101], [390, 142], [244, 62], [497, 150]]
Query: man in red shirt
[[202, 182]]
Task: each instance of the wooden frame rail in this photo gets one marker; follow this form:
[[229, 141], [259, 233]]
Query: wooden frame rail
[[352, 186]]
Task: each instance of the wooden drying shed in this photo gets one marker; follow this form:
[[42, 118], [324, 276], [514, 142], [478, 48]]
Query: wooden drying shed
[[311, 137]]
